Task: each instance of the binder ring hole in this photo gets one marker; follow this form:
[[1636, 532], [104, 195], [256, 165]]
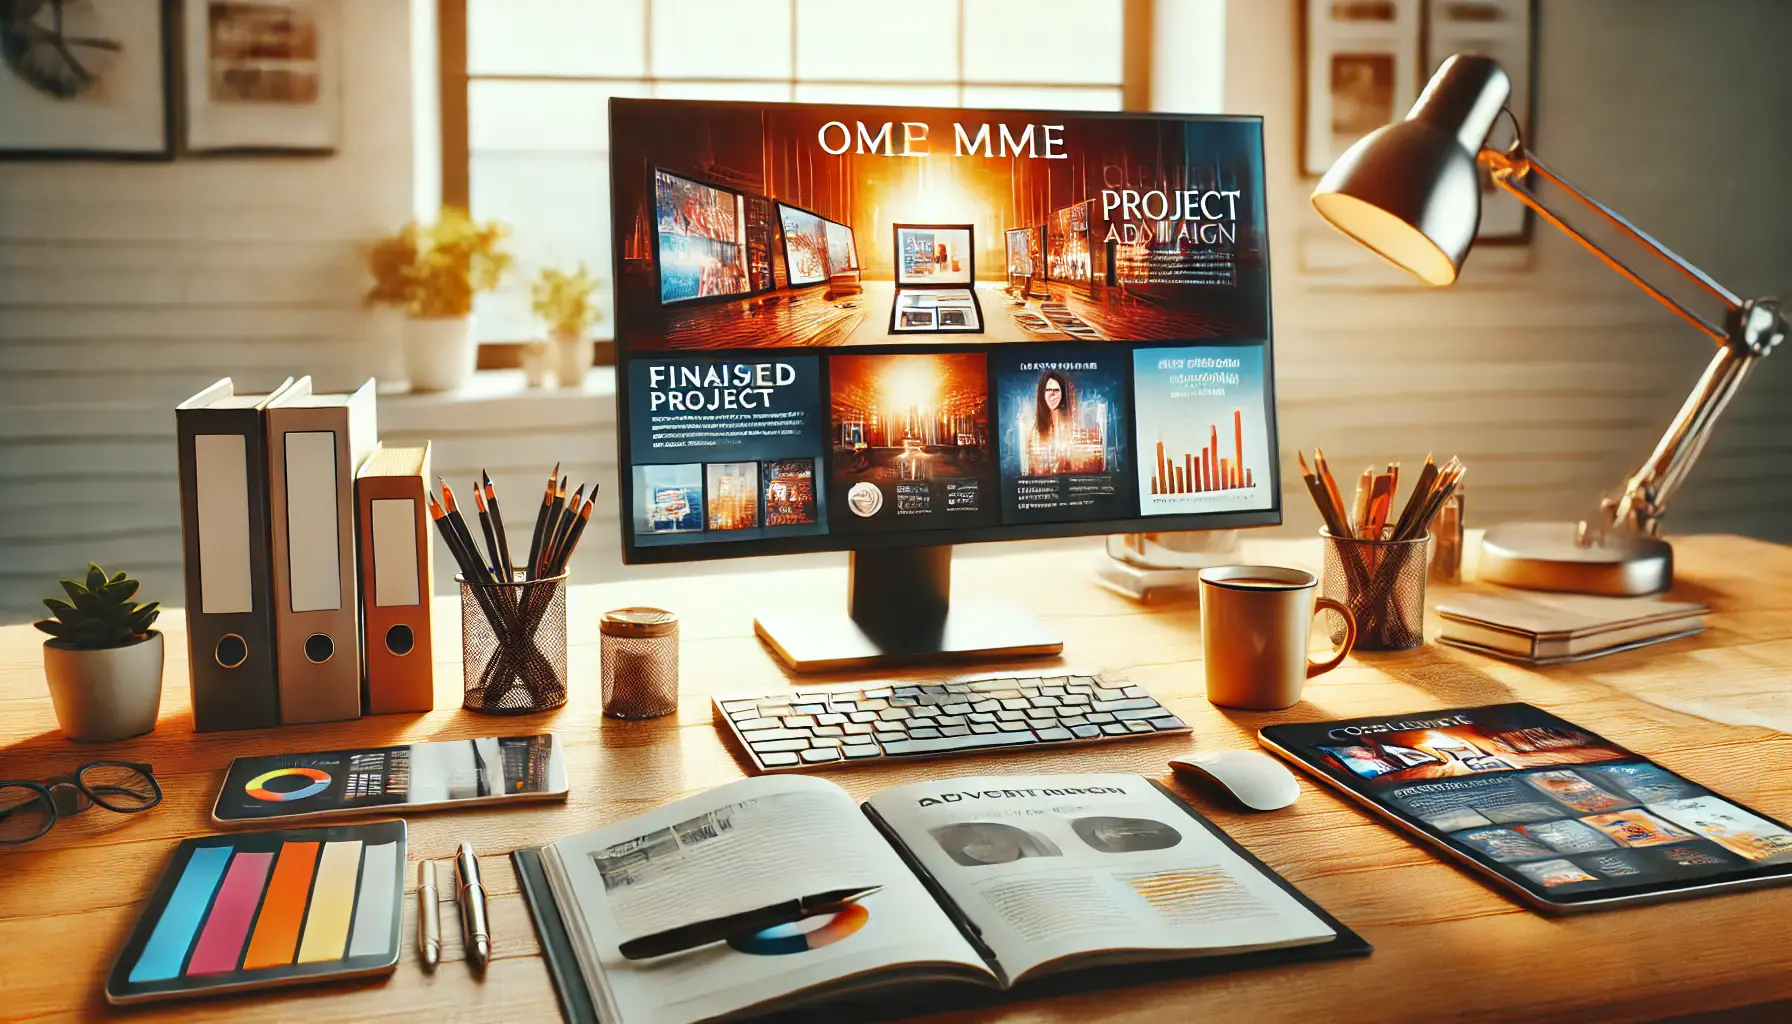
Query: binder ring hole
[[400, 640], [232, 651], [319, 648]]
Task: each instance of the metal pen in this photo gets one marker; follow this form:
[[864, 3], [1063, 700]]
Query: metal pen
[[470, 894], [429, 915]]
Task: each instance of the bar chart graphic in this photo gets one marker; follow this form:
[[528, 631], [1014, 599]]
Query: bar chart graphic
[[1210, 470], [1203, 433]]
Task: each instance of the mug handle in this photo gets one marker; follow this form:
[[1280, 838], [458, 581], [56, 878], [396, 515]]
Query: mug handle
[[1320, 604]]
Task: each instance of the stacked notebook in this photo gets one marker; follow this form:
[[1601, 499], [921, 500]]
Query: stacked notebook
[[1033, 884], [1547, 629], [274, 588]]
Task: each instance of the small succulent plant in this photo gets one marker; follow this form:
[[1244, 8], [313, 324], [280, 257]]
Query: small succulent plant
[[99, 613]]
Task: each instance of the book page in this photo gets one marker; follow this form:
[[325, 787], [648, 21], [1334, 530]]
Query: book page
[[1055, 866], [739, 847]]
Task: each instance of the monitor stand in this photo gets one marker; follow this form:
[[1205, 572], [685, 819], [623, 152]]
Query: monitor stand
[[899, 612]]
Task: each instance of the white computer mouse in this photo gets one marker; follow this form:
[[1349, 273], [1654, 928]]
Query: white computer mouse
[[1256, 779]]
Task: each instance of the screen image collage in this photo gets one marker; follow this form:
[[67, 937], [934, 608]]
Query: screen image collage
[[725, 450], [976, 340], [1555, 807]]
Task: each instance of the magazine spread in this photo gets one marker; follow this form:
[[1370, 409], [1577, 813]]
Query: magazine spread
[[1070, 871], [1052, 872]]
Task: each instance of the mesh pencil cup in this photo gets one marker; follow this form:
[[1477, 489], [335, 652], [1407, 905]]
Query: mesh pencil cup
[[640, 662], [1382, 582], [513, 645]]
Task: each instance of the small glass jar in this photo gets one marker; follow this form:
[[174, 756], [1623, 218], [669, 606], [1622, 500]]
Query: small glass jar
[[639, 651]]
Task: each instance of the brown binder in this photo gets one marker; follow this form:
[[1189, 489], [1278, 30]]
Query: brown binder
[[392, 515], [315, 445], [224, 535]]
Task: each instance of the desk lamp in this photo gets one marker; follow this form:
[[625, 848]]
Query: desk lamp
[[1410, 192]]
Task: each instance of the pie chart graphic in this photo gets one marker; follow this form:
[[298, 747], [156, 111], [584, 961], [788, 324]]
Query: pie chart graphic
[[801, 936], [257, 787]]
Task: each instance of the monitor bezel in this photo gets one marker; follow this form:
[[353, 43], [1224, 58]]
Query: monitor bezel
[[827, 542], [779, 205], [659, 284]]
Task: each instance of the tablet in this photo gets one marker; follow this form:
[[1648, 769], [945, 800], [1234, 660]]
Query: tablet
[[416, 776], [1561, 817]]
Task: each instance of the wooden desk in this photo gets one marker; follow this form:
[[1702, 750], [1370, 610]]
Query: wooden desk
[[1447, 947]]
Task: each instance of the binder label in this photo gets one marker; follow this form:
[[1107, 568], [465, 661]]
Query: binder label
[[395, 577], [221, 492], [313, 554]]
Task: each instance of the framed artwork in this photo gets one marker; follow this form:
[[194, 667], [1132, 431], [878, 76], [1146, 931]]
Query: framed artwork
[[85, 79], [1361, 61], [262, 75], [1506, 31]]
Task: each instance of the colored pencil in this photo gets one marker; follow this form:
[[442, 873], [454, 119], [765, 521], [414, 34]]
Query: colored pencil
[[491, 502], [485, 527], [459, 525], [552, 526], [572, 537], [541, 518]]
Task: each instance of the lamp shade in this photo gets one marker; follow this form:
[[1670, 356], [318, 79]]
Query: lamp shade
[[1409, 190]]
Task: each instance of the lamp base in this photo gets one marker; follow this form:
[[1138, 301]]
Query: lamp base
[[1548, 556]]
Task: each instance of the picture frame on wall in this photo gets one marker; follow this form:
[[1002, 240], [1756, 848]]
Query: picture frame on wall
[[1361, 70], [86, 79], [1506, 31], [261, 76]]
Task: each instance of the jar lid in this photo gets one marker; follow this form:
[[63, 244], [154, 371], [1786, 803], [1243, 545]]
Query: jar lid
[[639, 622]]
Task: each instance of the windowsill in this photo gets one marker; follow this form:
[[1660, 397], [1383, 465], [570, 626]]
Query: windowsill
[[500, 401]]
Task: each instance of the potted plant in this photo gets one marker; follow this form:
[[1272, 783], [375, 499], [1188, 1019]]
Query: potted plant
[[103, 662], [568, 303], [434, 271]]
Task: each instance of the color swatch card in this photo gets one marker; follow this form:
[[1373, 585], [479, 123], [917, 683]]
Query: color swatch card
[[264, 909]]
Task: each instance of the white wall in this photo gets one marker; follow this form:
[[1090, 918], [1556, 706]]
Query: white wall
[[125, 288], [1546, 372]]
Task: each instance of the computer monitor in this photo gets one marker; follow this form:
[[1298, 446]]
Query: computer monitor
[[809, 421], [701, 231]]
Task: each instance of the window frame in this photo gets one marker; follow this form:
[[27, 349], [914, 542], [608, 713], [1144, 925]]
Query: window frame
[[456, 82]]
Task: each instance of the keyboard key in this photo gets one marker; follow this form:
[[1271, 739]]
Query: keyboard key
[[1083, 681], [774, 746], [1046, 702], [992, 685], [948, 744], [955, 709], [821, 754], [1135, 691], [859, 751], [1101, 716], [827, 730], [873, 705], [831, 719], [766, 735], [978, 716], [1138, 714], [1029, 691], [882, 692], [1102, 693], [893, 714], [756, 724], [732, 706], [889, 728], [1007, 715], [1172, 722], [901, 701], [1014, 727], [1015, 704], [1072, 721], [983, 728], [798, 721], [987, 706], [1053, 735], [856, 729], [1051, 691], [1114, 728], [1079, 699], [1086, 731], [955, 730], [1126, 704], [863, 716], [924, 732], [778, 760], [809, 709], [1042, 714], [926, 712], [826, 741], [1138, 727]]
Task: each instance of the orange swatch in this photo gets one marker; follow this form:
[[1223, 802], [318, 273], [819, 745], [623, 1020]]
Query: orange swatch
[[283, 908]]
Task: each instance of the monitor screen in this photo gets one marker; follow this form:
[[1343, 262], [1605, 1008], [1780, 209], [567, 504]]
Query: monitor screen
[[1136, 397], [1067, 245], [702, 232]]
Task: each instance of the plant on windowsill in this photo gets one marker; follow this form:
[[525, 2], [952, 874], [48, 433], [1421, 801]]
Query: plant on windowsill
[[567, 302], [103, 661], [432, 272]]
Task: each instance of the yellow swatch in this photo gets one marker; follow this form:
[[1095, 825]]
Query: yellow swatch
[[332, 903]]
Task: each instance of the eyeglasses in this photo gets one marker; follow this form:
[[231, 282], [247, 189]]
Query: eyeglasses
[[28, 810]]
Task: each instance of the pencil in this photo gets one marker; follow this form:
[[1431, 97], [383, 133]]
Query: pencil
[[491, 502], [541, 518], [552, 527], [1421, 493], [1359, 505], [572, 537], [1325, 477], [459, 524], [564, 527], [485, 527]]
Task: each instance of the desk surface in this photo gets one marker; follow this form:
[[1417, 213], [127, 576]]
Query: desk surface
[[1446, 945]]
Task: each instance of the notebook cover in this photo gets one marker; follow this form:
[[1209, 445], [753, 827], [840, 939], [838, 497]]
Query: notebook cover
[[396, 637], [576, 1004], [240, 694], [1563, 615]]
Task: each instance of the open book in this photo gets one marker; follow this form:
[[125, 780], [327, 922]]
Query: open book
[[990, 881]]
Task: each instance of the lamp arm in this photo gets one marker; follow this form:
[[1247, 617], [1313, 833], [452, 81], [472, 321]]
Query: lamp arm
[[1750, 330]]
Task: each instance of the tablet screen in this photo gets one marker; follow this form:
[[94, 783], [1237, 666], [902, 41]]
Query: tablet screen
[[410, 776], [1565, 814]]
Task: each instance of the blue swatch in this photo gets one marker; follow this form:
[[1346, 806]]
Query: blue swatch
[[167, 948]]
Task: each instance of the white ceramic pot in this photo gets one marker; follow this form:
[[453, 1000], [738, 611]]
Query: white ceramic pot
[[573, 353], [106, 695], [537, 360], [439, 352]]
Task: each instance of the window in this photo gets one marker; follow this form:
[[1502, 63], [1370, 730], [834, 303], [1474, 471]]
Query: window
[[540, 73]]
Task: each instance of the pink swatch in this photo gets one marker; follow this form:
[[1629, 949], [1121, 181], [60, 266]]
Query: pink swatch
[[220, 945]]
